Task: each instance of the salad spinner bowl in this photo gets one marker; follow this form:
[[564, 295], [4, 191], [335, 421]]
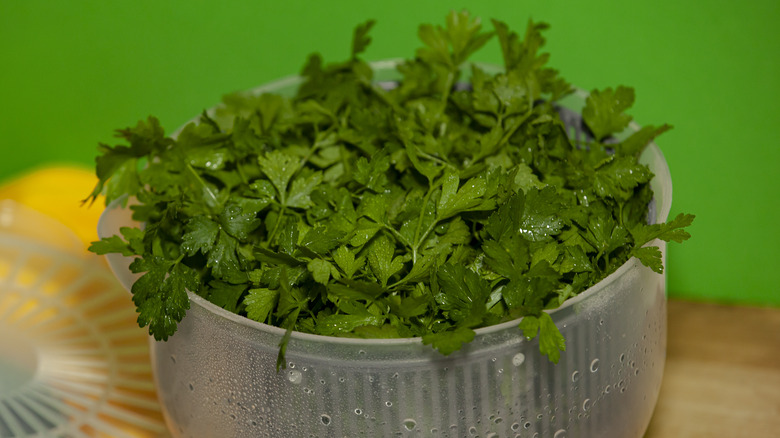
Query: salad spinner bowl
[[217, 375]]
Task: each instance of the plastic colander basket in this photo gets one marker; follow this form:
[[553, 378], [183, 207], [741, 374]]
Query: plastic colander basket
[[73, 362]]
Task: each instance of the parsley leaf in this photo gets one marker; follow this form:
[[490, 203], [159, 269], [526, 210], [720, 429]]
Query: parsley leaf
[[161, 298], [551, 342], [299, 195], [201, 233], [671, 231], [279, 167], [361, 40], [381, 260], [320, 270], [455, 200], [618, 178], [449, 341], [260, 302], [464, 294], [650, 256], [345, 259], [452, 45], [132, 244], [604, 110]]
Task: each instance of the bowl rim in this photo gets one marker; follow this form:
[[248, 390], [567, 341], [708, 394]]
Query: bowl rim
[[662, 175]]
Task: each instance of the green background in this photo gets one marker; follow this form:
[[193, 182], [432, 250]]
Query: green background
[[72, 72]]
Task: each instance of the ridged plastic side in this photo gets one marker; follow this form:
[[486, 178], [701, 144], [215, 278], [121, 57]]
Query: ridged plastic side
[[217, 376]]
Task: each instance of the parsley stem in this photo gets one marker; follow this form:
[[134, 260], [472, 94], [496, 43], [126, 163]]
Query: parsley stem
[[426, 233], [203, 183], [397, 235], [241, 172], [510, 133], [447, 87], [597, 258], [416, 244], [436, 159], [318, 143], [272, 235]]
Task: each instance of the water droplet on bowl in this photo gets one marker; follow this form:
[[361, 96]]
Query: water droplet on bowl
[[410, 424], [586, 404], [358, 411], [575, 376], [594, 366], [325, 419], [295, 376], [561, 433], [518, 359]]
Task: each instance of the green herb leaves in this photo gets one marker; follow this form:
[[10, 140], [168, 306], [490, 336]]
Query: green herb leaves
[[604, 111], [161, 293], [551, 342], [453, 44], [427, 209]]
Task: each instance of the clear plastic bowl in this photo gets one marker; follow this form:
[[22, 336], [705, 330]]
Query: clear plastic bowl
[[216, 376]]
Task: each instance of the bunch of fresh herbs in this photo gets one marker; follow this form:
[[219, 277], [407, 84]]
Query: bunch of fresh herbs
[[427, 209]]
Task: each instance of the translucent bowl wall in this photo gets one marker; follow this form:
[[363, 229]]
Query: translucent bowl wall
[[216, 376]]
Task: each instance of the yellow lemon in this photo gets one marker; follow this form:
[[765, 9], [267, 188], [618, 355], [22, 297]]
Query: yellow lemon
[[57, 192]]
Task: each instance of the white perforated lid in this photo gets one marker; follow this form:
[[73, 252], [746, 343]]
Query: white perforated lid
[[73, 361]]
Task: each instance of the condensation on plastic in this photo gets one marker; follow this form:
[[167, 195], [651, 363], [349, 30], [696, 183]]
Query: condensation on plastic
[[216, 376], [73, 362]]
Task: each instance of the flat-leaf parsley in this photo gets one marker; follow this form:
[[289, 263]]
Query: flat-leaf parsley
[[425, 208]]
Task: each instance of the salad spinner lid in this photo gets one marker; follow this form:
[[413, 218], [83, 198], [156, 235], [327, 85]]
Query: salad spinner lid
[[73, 362]]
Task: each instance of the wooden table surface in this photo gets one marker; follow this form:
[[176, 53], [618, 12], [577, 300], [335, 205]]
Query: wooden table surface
[[722, 375]]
